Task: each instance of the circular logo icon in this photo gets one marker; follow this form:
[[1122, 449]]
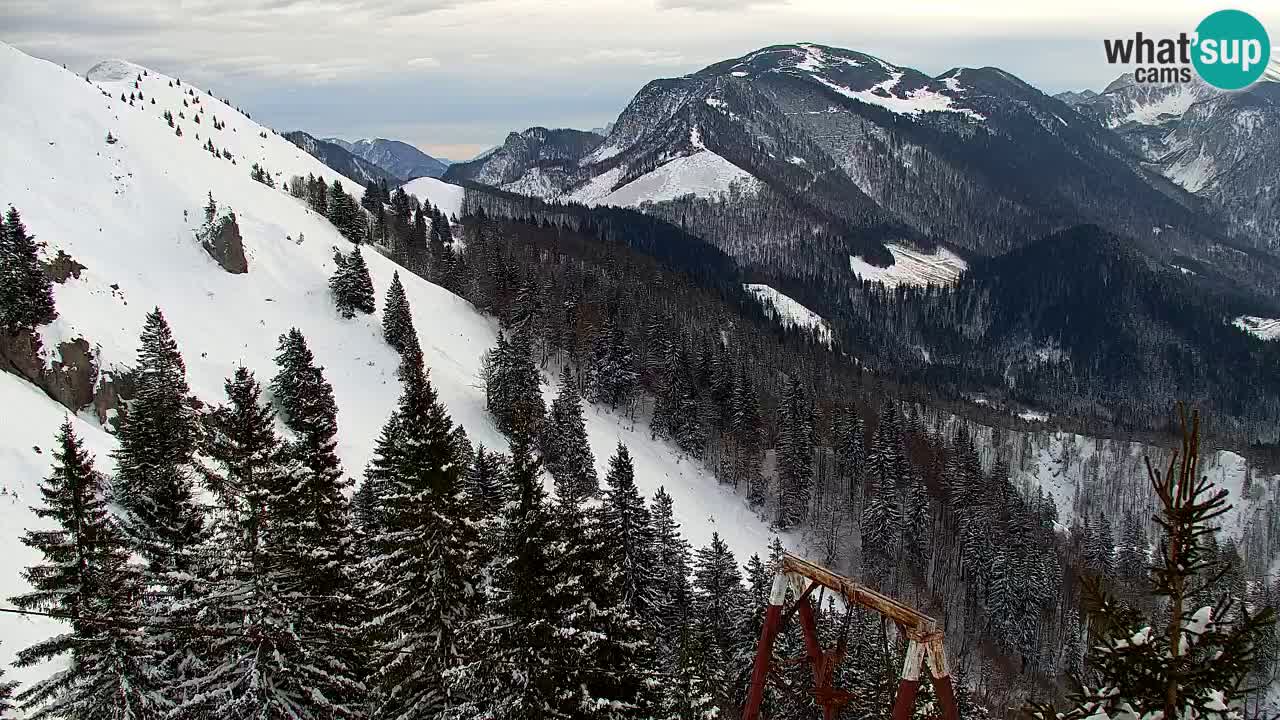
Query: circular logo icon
[[1232, 49]]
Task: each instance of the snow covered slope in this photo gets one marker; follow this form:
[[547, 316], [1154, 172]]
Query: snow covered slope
[[912, 267], [443, 195], [1265, 328], [789, 312], [703, 173], [128, 212]]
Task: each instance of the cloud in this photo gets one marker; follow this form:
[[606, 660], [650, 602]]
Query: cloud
[[716, 5], [465, 72], [630, 56]]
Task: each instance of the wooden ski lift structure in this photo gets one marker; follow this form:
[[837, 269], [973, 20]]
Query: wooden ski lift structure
[[922, 632]]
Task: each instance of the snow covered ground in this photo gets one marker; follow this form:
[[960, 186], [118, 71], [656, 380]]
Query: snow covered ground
[[703, 173], [443, 195], [920, 100], [128, 211], [1176, 102], [1265, 328], [1087, 476], [912, 267], [788, 312]]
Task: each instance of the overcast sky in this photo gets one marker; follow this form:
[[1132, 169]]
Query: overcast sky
[[455, 76]]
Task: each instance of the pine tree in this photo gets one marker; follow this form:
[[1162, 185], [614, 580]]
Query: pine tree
[[420, 570], [258, 663], [486, 483], [513, 387], [720, 603], [397, 320], [613, 374], [795, 455], [371, 200], [628, 556], [344, 212], [6, 697], [527, 626], [85, 576], [314, 541], [351, 286], [672, 592], [565, 450], [1192, 662], [158, 438], [26, 294]]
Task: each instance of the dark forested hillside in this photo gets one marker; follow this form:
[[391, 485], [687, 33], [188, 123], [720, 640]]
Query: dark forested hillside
[[1079, 322]]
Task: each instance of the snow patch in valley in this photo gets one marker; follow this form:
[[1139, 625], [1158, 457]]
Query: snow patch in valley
[[129, 211], [1264, 328], [787, 311], [912, 267]]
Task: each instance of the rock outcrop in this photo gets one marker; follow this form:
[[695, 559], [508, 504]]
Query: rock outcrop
[[221, 239], [71, 379]]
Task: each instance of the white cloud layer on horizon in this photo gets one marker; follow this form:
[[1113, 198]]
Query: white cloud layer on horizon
[[458, 75]]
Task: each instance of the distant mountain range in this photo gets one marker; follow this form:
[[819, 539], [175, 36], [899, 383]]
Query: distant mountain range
[[342, 160], [1222, 146], [813, 154], [398, 158]]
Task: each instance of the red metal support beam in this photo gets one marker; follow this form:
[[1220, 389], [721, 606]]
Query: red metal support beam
[[920, 630], [817, 659], [941, 677], [905, 703], [764, 650]]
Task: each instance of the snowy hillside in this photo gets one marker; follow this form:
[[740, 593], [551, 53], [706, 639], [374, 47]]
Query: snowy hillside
[[789, 312], [912, 267], [128, 212], [441, 194], [1265, 328], [1087, 476], [703, 173]]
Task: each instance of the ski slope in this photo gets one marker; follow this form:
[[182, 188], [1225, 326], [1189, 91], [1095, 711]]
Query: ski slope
[[128, 212], [912, 267], [789, 312]]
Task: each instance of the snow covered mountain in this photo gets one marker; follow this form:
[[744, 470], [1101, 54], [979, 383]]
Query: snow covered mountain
[[849, 144], [341, 160], [127, 212], [1221, 146], [398, 158]]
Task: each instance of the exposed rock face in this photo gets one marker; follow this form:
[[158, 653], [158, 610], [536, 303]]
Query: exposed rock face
[[111, 394], [223, 243], [63, 266], [72, 379]]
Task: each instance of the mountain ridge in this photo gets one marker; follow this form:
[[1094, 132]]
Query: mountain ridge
[[397, 157]]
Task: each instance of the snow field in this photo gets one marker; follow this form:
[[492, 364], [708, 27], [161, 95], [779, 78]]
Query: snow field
[[128, 212]]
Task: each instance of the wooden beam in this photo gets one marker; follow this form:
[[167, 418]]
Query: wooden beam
[[917, 625]]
